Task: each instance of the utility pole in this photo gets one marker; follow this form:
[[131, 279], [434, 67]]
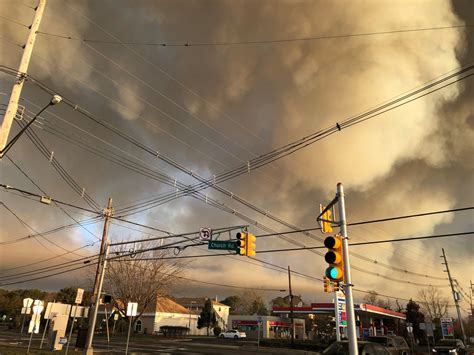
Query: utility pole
[[12, 107], [291, 309], [99, 278], [351, 324], [455, 296]]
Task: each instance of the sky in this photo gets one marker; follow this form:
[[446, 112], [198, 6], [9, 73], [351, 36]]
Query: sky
[[210, 108]]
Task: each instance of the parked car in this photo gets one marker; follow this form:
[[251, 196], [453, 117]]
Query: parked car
[[233, 334], [450, 346], [396, 345], [365, 348]]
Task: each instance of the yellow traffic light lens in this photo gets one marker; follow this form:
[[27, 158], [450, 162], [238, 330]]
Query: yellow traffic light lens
[[333, 257], [332, 242]]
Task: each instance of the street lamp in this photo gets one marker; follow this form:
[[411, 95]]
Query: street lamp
[[56, 99]]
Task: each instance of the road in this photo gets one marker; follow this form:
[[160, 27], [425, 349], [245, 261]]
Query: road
[[151, 344]]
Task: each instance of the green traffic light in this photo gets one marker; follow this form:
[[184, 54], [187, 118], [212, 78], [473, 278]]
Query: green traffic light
[[334, 273]]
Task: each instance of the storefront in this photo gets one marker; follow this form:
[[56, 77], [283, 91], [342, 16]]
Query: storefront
[[270, 327]]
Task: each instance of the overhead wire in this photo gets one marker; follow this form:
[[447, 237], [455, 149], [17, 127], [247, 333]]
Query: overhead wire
[[46, 194], [255, 42], [393, 218], [27, 226], [63, 173], [13, 21]]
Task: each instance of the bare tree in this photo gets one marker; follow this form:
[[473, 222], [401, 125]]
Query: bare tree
[[372, 297], [433, 303], [138, 279]]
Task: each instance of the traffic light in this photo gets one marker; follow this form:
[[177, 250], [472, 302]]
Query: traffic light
[[241, 243], [326, 226], [246, 244], [327, 285], [335, 271], [251, 246]]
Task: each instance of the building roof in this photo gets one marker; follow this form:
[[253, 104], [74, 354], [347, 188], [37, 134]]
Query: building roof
[[162, 305], [166, 305], [197, 302], [329, 308]]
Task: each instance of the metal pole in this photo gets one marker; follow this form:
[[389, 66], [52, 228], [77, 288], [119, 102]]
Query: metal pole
[[21, 331], [99, 278], [428, 340], [128, 335], [351, 324], [44, 332], [107, 325], [291, 309], [72, 327], [113, 329], [336, 315], [455, 298], [258, 335], [31, 336], [12, 107]]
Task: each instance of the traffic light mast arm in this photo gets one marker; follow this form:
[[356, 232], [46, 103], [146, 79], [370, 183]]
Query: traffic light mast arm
[[328, 207]]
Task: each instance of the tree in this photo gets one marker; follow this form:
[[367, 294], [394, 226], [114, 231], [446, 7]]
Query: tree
[[433, 304], [207, 319], [248, 302], [138, 279], [68, 295], [415, 317], [373, 298], [11, 302], [233, 302], [285, 301]]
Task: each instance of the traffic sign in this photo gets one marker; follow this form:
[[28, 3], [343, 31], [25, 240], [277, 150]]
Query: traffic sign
[[222, 245], [205, 233], [27, 302], [80, 293], [132, 309]]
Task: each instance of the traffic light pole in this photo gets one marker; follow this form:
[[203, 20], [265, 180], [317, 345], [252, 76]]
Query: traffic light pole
[[351, 323], [455, 297]]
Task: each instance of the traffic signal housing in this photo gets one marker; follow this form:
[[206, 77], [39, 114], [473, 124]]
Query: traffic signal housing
[[326, 217], [241, 243], [251, 245], [246, 244], [335, 271], [327, 285]]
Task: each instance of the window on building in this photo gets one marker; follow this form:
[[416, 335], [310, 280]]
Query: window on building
[[138, 326]]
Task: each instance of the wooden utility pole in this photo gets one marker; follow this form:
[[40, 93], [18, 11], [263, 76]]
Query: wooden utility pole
[[291, 309], [12, 107], [99, 276], [455, 296]]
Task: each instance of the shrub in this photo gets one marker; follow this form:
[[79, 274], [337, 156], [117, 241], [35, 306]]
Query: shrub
[[217, 330]]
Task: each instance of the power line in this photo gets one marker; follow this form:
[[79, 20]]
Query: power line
[[13, 21], [83, 260], [49, 275], [38, 262], [167, 181], [49, 155], [311, 248], [42, 191], [352, 122], [267, 41], [32, 229], [9, 188]]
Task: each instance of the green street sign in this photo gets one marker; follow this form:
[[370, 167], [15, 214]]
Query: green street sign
[[222, 245]]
